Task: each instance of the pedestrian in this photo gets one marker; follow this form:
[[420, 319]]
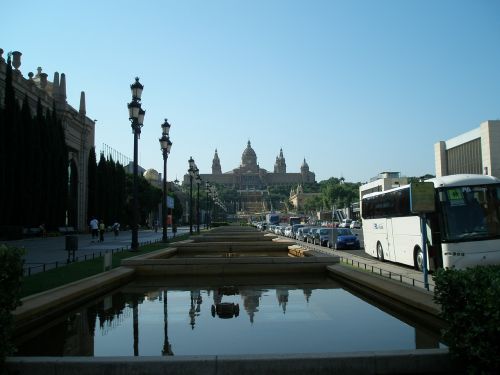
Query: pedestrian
[[102, 229], [94, 228], [156, 226], [43, 231], [116, 228], [174, 229]]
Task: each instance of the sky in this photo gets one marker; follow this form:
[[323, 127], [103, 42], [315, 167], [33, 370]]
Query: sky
[[356, 87]]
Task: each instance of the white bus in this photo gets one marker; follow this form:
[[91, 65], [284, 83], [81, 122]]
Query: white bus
[[463, 232]]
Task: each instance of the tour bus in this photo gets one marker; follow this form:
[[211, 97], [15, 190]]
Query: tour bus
[[294, 220], [272, 219], [464, 230]]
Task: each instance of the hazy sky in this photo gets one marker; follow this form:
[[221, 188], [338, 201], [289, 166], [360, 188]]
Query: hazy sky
[[355, 87]]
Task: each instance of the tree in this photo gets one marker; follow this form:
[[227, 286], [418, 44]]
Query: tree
[[92, 184]]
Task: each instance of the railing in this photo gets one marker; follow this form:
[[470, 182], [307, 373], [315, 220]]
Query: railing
[[385, 273], [36, 267], [370, 267]]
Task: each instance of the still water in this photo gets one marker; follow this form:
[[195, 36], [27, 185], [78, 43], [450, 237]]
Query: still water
[[156, 318]]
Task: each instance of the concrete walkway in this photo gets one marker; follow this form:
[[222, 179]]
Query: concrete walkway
[[50, 250], [394, 271]]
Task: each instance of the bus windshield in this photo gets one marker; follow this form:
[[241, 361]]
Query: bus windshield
[[470, 212]]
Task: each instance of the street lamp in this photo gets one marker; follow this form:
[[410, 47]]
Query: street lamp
[[136, 116], [165, 145], [191, 175], [198, 182], [207, 212]]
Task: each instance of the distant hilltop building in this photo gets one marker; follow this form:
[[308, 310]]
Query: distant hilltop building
[[251, 181], [249, 175]]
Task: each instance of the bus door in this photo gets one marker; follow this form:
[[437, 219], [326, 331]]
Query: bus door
[[434, 251], [391, 251]]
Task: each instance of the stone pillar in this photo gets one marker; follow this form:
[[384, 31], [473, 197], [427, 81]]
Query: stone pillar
[[440, 159]]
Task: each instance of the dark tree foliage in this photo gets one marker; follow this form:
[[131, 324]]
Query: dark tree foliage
[[149, 197], [33, 164], [108, 195], [11, 271], [92, 184]]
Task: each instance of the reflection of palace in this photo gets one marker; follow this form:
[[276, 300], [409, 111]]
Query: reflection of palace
[[251, 300], [75, 335], [282, 296]]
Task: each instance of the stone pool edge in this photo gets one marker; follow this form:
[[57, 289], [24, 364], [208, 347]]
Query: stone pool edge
[[423, 361]]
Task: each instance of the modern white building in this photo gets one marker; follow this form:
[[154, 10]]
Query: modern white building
[[476, 151], [384, 181]]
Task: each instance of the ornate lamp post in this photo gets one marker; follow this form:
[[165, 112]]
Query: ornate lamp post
[[165, 147], [136, 116], [198, 183], [207, 213], [191, 175]]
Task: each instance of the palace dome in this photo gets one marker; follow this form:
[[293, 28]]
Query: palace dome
[[249, 158], [151, 175]]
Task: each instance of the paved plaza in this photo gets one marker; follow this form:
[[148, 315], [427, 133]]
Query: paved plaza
[[53, 249]]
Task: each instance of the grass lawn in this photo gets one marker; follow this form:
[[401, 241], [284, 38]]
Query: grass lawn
[[42, 281]]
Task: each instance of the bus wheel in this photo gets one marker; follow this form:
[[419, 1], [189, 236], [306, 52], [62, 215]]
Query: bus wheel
[[418, 258], [380, 252]]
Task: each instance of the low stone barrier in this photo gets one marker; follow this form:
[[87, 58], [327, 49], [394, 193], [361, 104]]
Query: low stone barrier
[[416, 362]]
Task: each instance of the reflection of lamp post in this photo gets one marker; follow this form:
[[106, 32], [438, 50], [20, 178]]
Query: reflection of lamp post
[[167, 348], [136, 115], [165, 147], [191, 174], [207, 212], [135, 325]]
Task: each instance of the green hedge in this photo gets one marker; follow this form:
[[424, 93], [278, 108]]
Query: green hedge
[[470, 302], [11, 271]]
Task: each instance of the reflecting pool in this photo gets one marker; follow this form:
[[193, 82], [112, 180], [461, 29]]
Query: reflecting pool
[[215, 317]]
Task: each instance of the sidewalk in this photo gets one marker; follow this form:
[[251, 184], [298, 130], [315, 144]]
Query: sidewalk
[[393, 271], [49, 250]]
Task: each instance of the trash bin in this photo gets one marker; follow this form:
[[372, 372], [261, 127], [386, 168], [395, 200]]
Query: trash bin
[[71, 243]]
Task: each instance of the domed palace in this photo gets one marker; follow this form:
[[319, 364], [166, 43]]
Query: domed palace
[[249, 176]]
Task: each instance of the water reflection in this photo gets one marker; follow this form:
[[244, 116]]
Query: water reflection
[[201, 320]]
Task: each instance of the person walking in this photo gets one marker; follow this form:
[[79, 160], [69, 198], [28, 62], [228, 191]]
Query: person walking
[[116, 228], [94, 228], [102, 229]]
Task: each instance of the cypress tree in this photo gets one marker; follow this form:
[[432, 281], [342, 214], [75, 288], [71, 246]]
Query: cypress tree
[[62, 177], [92, 184], [3, 159], [120, 191], [11, 111], [39, 165], [25, 153], [101, 186]]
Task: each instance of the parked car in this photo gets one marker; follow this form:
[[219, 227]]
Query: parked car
[[310, 234], [343, 238], [288, 231], [322, 236], [302, 233], [355, 225], [295, 228]]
